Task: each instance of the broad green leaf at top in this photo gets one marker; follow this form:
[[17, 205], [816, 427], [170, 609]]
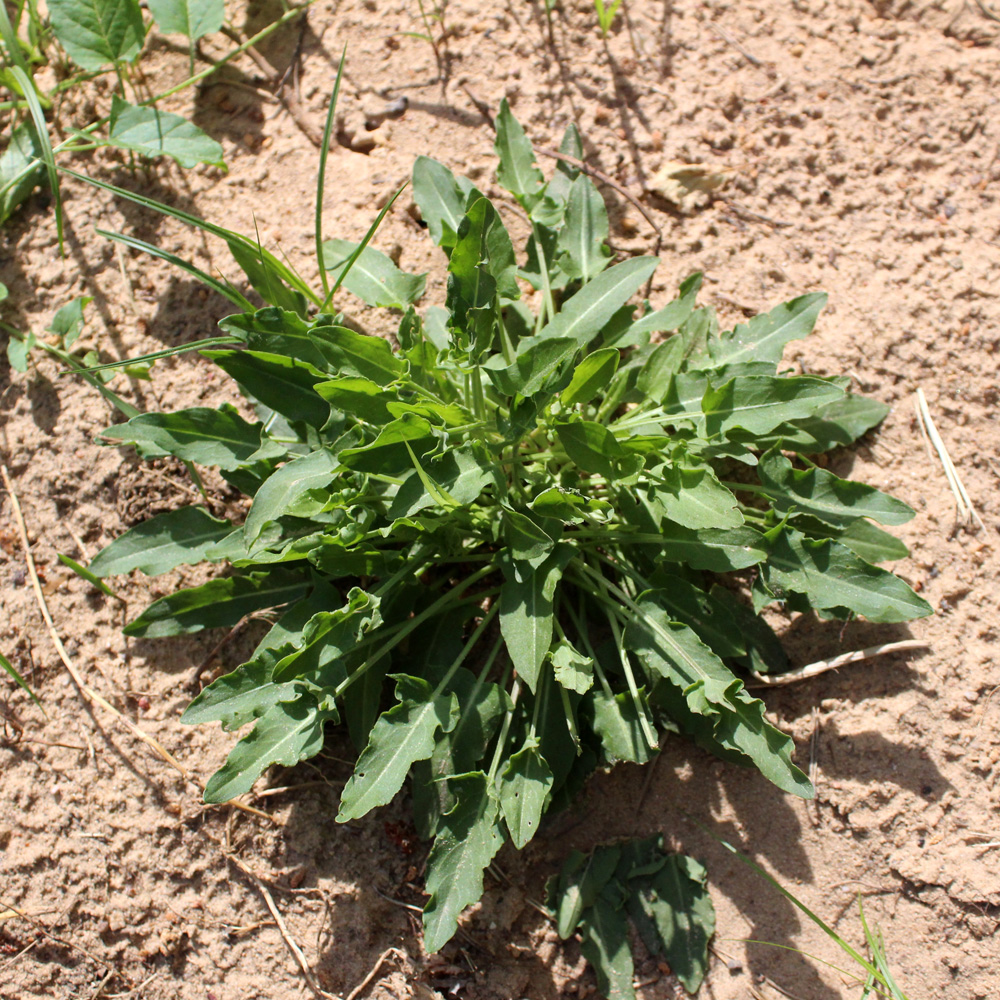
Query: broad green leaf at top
[[517, 171], [584, 315], [439, 198], [192, 18], [98, 33]]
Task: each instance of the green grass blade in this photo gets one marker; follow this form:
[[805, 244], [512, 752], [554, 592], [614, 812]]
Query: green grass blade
[[817, 920], [11, 44], [206, 279], [321, 176], [289, 276], [195, 345], [876, 946], [853, 977], [19, 680], [84, 574], [48, 157], [113, 398], [360, 248]]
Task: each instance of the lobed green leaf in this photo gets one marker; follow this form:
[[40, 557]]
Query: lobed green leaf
[[402, 736]]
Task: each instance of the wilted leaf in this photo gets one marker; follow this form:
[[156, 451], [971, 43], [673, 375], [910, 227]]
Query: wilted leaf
[[687, 186]]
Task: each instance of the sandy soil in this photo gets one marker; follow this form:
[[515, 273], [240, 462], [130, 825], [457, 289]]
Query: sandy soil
[[862, 142]]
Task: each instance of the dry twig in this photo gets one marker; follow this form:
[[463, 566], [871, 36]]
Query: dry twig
[[86, 692], [599, 175], [286, 936], [44, 931], [822, 666], [289, 99], [730, 40], [967, 514], [814, 766], [374, 971]]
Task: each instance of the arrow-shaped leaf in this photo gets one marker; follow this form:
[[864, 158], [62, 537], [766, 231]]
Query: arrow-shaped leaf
[[822, 494], [209, 437], [584, 315], [400, 737], [373, 277], [218, 603], [831, 576], [764, 337], [468, 839], [288, 732]]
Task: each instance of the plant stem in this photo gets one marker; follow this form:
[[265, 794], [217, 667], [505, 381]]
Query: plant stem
[[563, 693], [584, 637], [478, 398], [647, 729], [547, 300], [466, 649], [623, 565], [515, 694], [746, 487], [451, 597], [505, 343]]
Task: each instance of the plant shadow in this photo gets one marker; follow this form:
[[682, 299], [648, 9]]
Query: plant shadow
[[376, 864]]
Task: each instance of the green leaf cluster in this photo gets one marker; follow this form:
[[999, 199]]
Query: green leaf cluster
[[663, 895], [527, 540]]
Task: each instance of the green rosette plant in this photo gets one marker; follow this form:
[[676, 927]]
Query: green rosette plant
[[513, 546]]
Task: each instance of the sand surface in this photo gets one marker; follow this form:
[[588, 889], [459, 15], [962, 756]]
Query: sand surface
[[861, 142]]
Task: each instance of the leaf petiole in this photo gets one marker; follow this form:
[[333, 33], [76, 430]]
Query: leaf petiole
[[451, 597]]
